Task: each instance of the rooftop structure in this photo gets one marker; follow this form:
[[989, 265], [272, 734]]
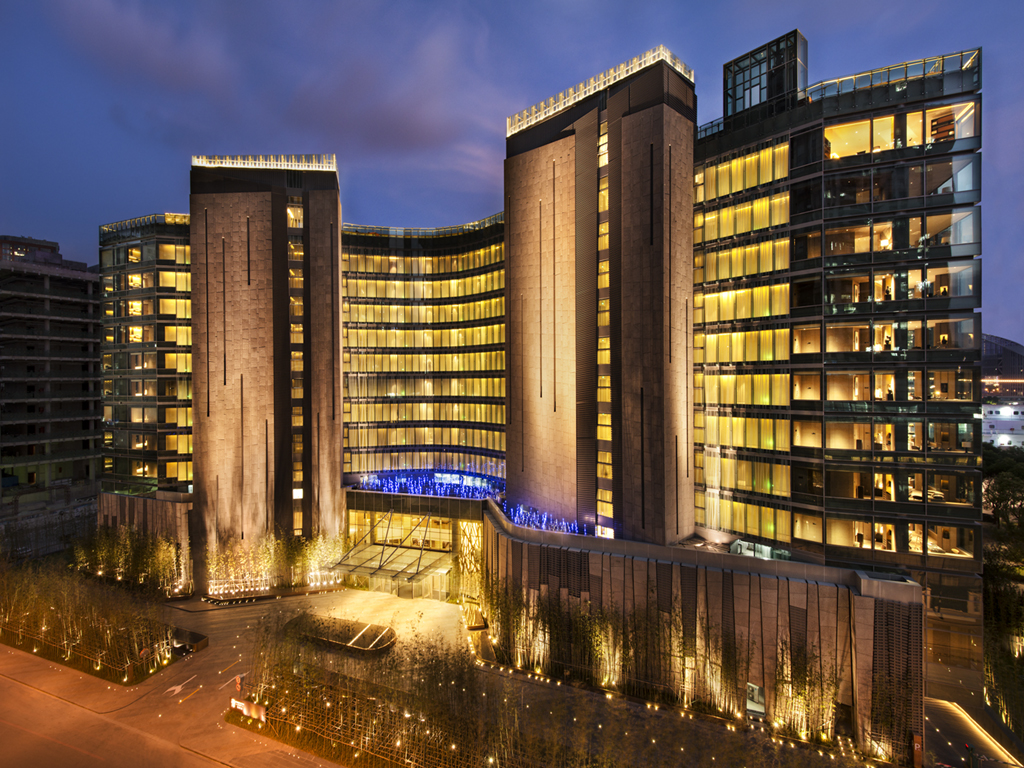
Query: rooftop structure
[[562, 101], [13, 247], [267, 162], [140, 226]]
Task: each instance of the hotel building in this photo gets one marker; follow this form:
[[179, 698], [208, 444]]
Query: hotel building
[[835, 372], [424, 339], [598, 296], [267, 413], [147, 374], [837, 343], [742, 359]]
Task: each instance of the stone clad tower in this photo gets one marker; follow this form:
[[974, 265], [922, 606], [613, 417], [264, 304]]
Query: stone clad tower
[[598, 188], [265, 234]]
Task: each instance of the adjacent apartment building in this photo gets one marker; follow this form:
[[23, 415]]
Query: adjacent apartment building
[[50, 328], [1002, 367]]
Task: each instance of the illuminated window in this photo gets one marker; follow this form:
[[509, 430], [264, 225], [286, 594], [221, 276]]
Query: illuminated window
[[602, 236], [848, 139], [955, 121], [604, 352]]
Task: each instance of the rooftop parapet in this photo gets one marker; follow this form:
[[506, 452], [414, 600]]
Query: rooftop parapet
[[268, 162], [145, 221], [403, 232], [908, 70], [545, 109], [935, 66], [142, 226]]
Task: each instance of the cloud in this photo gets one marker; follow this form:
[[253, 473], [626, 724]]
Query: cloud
[[382, 99], [146, 44]]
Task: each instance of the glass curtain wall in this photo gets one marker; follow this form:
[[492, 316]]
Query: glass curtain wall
[[147, 355], [424, 349]]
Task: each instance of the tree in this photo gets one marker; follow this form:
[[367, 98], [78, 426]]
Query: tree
[[1006, 497], [996, 460]]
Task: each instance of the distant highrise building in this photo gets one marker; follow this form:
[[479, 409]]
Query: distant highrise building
[[1002, 367], [49, 396], [266, 324]]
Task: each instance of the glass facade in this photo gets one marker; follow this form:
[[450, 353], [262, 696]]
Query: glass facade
[[838, 343], [424, 348], [766, 75], [147, 355]]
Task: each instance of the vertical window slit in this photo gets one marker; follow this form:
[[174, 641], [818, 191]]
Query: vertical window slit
[[334, 328], [206, 276], [224, 305], [554, 285], [241, 441], [651, 194], [677, 483]]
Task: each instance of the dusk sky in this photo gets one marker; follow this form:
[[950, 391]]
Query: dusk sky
[[107, 100]]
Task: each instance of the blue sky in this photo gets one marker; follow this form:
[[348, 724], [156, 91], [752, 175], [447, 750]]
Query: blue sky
[[106, 100]]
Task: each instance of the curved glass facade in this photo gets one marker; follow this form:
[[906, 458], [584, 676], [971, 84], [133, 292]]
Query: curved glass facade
[[424, 348]]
